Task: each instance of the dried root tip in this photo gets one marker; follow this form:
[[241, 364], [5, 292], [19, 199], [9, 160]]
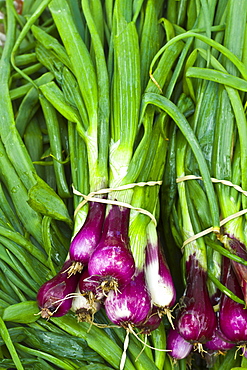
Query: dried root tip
[[109, 283], [168, 312], [90, 296], [84, 315], [74, 268], [199, 347], [174, 361], [45, 313], [93, 300], [242, 347]]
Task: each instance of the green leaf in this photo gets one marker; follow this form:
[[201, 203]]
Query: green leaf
[[61, 364], [78, 52], [95, 367], [53, 343], [217, 76], [5, 335], [29, 363], [24, 312], [44, 199], [16, 334], [180, 120]]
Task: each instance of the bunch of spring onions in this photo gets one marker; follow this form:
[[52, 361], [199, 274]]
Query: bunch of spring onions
[[122, 138], [115, 259], [212, 315]]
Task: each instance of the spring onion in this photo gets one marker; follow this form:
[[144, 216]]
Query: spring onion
[[123, 187]]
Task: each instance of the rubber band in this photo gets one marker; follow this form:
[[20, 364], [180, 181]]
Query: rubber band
[[217, 181], [216, 230], [91, 197]]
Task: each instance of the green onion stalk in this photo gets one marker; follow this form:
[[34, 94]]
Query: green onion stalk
[[213, 162], [195, 267], [91, 94], [233, 153], [91, 100], [23, 173]]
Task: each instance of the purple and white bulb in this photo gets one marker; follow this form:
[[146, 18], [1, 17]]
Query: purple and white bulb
[[196, 320], [131, 306], [54, 297], [157, 273], [86, 240], [112, 260]]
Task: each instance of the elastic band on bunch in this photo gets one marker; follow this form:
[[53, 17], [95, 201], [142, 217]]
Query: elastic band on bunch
[[214, 229], [91, 197]]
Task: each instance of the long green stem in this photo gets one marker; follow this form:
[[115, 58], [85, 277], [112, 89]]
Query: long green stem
[[188, 133], [7, 340]]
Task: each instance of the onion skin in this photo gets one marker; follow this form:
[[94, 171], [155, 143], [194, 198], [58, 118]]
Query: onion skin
[[130, 306], [51, 295], [87, 239], [232, 315], [179, 348], [196, 320], [112, 257]]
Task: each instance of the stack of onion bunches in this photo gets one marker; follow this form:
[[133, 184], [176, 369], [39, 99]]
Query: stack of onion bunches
[[123, 188]]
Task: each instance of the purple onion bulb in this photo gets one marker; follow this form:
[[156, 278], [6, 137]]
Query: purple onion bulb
[[232, 315], [54, 295], [240, 270], [89, 286], [179, 348], [130, 306], [152, 321], [112, 259], [219, 342], [196, 319], [86, 240]]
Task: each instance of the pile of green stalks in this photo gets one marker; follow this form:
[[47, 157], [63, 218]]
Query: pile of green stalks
[[167, 80]]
